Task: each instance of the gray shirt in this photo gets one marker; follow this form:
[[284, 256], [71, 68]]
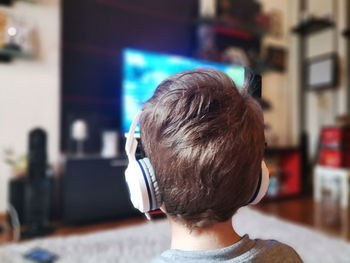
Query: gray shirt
[[245, 250]]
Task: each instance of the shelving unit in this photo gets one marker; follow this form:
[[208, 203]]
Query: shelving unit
[[303, 31], [240, 34]]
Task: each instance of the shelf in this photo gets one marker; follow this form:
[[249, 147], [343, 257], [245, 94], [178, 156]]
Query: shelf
[[346, 33], [314, 25], [6, 55], [234, 28]]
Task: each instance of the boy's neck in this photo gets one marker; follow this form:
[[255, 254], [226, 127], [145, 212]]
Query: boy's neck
[[215, 237]]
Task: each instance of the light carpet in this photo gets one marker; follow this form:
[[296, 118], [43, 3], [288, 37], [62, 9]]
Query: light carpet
[[142, 242]]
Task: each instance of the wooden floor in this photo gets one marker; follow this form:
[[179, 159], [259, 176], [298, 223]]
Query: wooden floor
[[325, 218]]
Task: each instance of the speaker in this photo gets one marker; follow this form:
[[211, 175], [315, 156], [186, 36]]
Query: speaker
[[16, 196], [37, 163], [37, 188]]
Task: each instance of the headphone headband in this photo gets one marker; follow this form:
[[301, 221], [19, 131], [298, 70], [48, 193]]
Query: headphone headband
[[131, 142], [139, 175], [263, 184]]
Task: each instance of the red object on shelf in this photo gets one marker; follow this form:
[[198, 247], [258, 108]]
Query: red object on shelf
[[335, 158], [289, 163], [335, 138], [335, 146]]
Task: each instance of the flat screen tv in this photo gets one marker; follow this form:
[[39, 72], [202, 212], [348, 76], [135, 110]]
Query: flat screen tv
[[143, 71]]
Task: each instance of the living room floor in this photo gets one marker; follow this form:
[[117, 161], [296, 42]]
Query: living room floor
[[326, 218]]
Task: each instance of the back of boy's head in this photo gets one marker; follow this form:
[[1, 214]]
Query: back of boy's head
[[205, 140]]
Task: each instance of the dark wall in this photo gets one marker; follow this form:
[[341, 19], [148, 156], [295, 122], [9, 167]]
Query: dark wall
[[93, 34]]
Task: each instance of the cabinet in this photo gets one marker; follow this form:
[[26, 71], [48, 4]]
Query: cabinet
[[94, 189]]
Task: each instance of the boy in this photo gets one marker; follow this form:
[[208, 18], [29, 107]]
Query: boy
[[205, 141]]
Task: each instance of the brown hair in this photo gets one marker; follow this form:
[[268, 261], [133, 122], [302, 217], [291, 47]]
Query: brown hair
[[205, 141]]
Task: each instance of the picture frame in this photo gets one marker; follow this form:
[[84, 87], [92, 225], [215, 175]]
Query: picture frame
[[321, 72]]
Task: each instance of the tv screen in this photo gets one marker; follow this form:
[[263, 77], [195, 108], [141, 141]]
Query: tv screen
[[143, 71]]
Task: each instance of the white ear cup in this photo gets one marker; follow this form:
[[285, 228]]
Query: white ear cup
[[143, 187], [264, 184], [156, 200], [139, 176], [137, 187]]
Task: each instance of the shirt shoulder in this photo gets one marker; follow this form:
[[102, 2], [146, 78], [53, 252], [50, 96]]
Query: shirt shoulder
[[273, 251], [245, 251]]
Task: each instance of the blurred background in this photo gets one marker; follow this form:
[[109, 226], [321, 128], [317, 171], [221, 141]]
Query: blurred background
[[66, 68]]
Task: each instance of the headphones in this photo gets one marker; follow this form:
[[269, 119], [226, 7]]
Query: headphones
[[142, 183]]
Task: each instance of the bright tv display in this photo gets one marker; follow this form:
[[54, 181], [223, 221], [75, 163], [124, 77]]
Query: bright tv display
[[143, 71]]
